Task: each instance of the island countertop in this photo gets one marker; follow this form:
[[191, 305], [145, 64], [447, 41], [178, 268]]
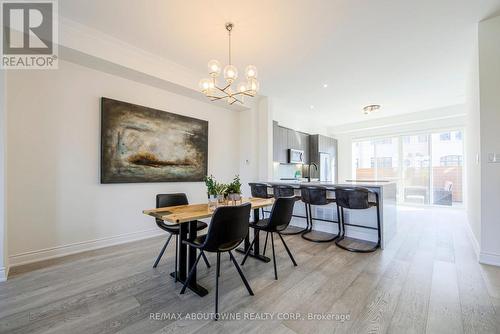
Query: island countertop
[[364, 184], [387, 191]]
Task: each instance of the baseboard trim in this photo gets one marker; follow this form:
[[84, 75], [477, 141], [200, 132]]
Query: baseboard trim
[[472, 237], [78, 247], [488, 258], [4, 273]]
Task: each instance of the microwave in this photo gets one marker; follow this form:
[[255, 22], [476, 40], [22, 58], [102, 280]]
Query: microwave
[[295, 156]]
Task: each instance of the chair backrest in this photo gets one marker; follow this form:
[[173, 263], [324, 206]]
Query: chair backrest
[[352, 198], [165, 200], [283, 191], [259, 190], [315, 195], [281, 213], [228, 228], [448, 186]]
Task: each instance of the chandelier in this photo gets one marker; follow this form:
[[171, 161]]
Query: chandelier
[[248, 87]]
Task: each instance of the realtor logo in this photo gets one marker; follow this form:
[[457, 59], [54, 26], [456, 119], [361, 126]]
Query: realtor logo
[[29, 34]]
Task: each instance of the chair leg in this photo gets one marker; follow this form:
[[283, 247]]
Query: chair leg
[[265, 244], [217, 288], [191, 272], [241, 274], [162, 251], [218, 261], [263, 213], [248, 252], [205, 259], [288, 250], [274, 257], [176, 251]]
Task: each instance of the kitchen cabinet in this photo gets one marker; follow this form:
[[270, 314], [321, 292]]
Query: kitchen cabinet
[[280, 143], [284, 139]]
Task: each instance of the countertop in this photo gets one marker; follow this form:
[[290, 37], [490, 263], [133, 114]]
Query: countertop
[[365, 184]]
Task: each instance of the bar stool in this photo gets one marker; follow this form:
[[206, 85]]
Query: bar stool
[[315, 195], [356, 199], [282, 190], [259, 190]]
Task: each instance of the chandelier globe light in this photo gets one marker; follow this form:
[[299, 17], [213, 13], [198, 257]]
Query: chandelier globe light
[[248, 86]]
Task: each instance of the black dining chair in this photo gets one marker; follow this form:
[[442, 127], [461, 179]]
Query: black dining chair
[[282, 190], [356, 198], [228, 228], [166, 200], [280, 217], [260, 190]]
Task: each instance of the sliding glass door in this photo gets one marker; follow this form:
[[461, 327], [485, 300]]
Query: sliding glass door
[[416, 173], [426, 166]]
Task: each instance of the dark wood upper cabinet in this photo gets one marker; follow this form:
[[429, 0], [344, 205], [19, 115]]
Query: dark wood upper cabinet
[[284, 139]]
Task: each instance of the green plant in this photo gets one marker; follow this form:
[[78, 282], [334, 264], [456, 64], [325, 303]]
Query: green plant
[[210, 183], [220, 188], [214, 187], [235, 186]]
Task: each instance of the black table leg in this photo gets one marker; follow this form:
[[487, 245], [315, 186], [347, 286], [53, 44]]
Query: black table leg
[[188, 230], [255, 253]]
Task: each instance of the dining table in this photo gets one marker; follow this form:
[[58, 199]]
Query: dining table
[[186, 217]]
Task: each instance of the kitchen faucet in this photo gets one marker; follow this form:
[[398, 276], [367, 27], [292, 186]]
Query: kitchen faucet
[[309, 170]]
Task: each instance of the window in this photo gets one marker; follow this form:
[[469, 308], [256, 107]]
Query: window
[[445, 136], [376, 159], [422, 139], [424, 165], [450, 160], [384, 162]]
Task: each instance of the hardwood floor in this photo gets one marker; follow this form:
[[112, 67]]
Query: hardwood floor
[[426, 281]]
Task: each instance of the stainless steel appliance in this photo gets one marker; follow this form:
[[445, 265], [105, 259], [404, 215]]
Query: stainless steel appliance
[[295, 156], [326, 167]]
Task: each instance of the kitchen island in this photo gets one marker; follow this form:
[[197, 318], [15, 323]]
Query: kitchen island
[[387, 192]]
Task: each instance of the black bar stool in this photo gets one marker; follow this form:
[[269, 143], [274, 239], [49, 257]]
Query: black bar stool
[[165, 200], [356, 199], [315, 195], [228, 228], [282, 190], [259, 190]]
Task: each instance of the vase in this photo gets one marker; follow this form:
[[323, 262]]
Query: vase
[[212, 202], [234, 198], [221, 200]]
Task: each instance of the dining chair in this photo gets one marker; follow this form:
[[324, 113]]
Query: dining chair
[[279, 219], [166, 200], [228, 228]]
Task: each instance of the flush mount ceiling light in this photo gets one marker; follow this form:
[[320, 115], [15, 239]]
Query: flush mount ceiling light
[[371, 108], [248, 87]]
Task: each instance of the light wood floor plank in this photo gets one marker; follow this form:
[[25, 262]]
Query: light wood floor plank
[[426, 280]]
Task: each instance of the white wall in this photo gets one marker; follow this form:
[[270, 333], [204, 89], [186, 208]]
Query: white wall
[[472, 150], [435, 119], [56, 204], [3, 237], [489, 83]]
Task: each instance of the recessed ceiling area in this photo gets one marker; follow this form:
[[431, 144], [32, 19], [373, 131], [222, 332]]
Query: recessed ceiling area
[[335, 55]]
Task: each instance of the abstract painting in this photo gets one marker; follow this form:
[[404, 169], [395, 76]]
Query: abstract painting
[[140, 144]]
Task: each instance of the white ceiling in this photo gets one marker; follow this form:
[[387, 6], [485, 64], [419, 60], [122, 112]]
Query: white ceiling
[[406, 55]]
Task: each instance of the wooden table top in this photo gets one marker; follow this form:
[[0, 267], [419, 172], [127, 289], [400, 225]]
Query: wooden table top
[[186, 213]]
